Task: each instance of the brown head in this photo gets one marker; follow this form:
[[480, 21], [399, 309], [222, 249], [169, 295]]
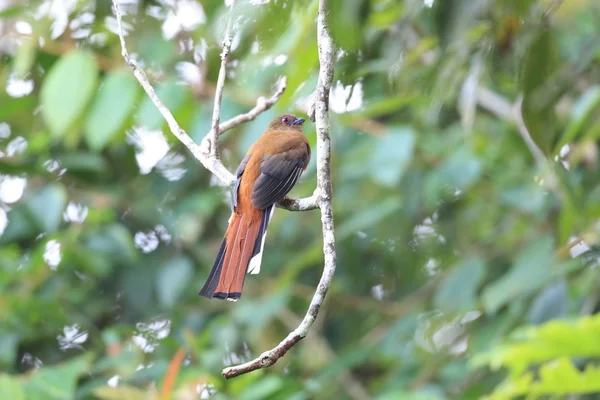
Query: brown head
[[286, 122]]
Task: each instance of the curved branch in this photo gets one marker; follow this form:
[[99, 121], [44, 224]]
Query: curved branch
[[512, 112], [322, 199]]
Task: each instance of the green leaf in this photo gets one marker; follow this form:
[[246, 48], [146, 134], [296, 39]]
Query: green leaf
[[121, 392], [551, 303], [25, 57], [262, 388], [19, 226], [12, 11], [383, 18], [344, 360], [528, 198], [114, 242], [257, 313], [456, 17], [426, 394], [67, 89], [171, 94], [111, 107], [46, 207], [386, 105], [557, 379], [9, 342], [461, 169], [529, 272], [540, 64], [348, 13], [552, 345], [79, 161], [172, 279], [368, 217], [57, 382], [10, 388], [459, 290], [572, 217], [580, 113], [392, 154]]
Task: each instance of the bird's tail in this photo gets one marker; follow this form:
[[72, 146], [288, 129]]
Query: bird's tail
[[240, 252]]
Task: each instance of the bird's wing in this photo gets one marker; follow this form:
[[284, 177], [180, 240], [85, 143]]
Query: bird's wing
[[238, 175], [279, 173]]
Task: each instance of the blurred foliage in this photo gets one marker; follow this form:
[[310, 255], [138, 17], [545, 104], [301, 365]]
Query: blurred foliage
[[463, 272], [549, 348]]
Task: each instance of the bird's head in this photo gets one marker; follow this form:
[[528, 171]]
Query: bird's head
[[287, 122]]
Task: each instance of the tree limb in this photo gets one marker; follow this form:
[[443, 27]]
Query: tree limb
[[511, 112], [208, 151], [321, 117]]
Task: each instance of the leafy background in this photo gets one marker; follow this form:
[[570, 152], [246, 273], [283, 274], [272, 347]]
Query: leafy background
[[466, 269]]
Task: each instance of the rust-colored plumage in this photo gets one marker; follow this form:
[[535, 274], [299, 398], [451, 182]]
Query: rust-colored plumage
[[267, 173]]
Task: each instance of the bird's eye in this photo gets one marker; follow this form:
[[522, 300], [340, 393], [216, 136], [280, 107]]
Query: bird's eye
[[285, 120]]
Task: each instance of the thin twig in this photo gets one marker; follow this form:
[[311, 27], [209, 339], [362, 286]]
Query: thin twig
[[262, 105], [211, 138], [535, 151], [207, 153], [326, 60], [512, 112]]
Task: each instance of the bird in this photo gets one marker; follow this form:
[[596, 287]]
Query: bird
[[265, 175]]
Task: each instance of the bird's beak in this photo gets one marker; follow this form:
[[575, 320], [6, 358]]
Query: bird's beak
[[298, 121]]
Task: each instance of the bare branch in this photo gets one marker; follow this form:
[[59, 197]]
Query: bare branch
[[211, 138], [495, 104], [512, 112], [210, 162], [208, 151], [262, 105], [540, 158], [535, 151], [324, 190]]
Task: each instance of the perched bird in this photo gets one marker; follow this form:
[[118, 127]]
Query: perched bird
[[267, 173]]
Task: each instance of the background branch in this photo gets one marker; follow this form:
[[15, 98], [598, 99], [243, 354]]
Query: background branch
[[321, 118], [504, 109]]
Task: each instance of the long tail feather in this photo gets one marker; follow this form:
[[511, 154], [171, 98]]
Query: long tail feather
[[243, 242], [213, 278]]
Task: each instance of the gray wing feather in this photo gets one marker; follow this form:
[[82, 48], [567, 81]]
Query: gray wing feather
[[279, 173]]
